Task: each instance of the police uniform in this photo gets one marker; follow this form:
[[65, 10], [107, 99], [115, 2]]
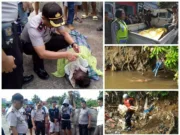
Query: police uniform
[[54, 114], [119, 32], [16, 119], [37, 34], [39, 119], [11, 45]]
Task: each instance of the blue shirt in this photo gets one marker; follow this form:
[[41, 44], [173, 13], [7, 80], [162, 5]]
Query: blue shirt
[[53, 114]]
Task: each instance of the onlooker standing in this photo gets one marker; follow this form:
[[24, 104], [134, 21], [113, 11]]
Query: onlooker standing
[[93, 14], [66, 113], [7, 108], [100, 118], [84, 119], [69, 7], [54, 119], [76, 18], [28, 114]]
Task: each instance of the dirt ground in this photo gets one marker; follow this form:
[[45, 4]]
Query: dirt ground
[[95, 39], [160, 120]]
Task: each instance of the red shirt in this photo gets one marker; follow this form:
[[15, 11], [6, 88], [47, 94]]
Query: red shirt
[[128, 102]]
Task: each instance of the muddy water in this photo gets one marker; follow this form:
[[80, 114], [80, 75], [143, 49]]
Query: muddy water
[[125, 80]]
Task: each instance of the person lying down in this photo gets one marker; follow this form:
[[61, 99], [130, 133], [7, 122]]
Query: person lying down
[[140, 80], [81, 71], [78, 72]]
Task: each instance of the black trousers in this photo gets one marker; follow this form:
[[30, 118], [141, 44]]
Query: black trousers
[[40, 128], [83, 129], [128, 117], [56, 43], [148, 24], [14, 79]]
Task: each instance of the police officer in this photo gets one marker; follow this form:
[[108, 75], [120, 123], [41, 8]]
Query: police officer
[[39, 118], [119, 29], [15, 117], [12, 63], [54, 119], [40, 38]]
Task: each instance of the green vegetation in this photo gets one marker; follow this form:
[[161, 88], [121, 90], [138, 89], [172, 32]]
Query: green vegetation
[[116, 97], [168, 54], [35, 98], [153, 94], [76, 98], [166, 4]]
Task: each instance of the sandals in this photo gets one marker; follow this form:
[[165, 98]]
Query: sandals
[[84, 16], [78, 19], [95, 18]]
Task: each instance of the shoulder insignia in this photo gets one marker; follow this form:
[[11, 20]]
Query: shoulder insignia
[[40, 27]]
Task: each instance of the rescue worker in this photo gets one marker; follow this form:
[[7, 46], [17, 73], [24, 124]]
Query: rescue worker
[[15, 118], [148, 18], [128, 102], [39, 119], [84, 119], [54, 119], [174, 22], [40, 38], [66, 113], [12, 61], [119, 29], [100, 117]]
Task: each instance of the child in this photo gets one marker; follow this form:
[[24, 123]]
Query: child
[[78, 73]]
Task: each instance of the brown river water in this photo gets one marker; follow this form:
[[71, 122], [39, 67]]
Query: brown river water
[[135, 80]]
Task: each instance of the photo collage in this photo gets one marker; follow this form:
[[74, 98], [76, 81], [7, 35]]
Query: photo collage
[[89, 67]]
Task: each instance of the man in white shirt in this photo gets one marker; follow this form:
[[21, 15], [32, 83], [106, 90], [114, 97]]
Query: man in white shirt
[[100, 117], [15, 118]]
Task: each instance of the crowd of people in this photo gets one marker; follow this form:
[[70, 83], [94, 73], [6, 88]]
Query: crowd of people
[[43, 120], [133, 19], [40, 37]]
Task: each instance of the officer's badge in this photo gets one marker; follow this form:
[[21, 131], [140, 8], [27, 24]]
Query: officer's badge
[[40, 27], [58, 15], [8, 31]]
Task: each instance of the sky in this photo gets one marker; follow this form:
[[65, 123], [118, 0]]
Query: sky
[[44, 94]]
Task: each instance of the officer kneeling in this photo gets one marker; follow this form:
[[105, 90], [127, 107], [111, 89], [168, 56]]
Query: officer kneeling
[[40, 38], [15, 118]]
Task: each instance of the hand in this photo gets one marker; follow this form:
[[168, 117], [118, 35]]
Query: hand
[[76, 48], [34, 127], [89, 126], [71, 56], [8, 65]]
